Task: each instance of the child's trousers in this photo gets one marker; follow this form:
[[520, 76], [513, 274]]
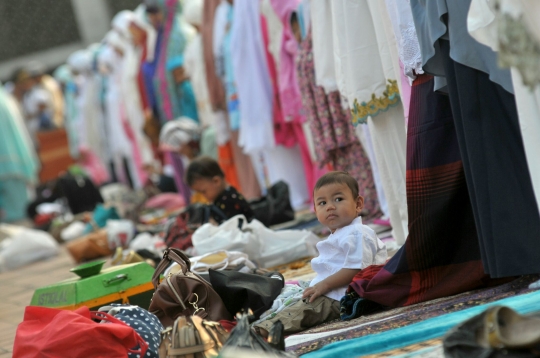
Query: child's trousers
[[301, 316]]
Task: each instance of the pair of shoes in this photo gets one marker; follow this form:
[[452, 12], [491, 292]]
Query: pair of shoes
[[505, 328], [495, 333], [353, 306]]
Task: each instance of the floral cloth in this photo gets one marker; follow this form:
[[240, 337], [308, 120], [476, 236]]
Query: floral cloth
[[332, 130]]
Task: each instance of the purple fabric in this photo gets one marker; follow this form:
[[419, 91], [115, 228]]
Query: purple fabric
[[179, 173], [149, 71]]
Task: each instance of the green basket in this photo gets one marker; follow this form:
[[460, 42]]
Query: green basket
[[88, 269]]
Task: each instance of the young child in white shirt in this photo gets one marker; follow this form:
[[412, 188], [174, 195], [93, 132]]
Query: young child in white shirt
[[350, 248]]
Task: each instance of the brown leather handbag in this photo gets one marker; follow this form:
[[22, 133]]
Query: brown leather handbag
[[184, 293], [192, 338]]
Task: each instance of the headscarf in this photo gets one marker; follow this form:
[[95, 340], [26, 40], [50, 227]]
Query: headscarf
[[193, 11], [140, 20], [178, 133]]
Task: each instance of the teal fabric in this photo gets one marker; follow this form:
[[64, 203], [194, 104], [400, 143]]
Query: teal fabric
[[230, 86], [13, 200], [63, 75], [208, 143], [18, 159], [419, 332], [174, 100], [100, 215]]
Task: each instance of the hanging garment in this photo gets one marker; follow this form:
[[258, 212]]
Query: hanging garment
[[65, 77], [175, 98], [441, 256], [226, 58], [288, 119], [195, 69], [406, 38], [216, 90], [91, 121], [323, 40], [289, 92], [131, 96], [18, 160], [251, 78], [275, 30], [362, 132], [336, 142], [362, 33], [285, 164], [120, 144], [489, 137], [498, 25], [249, 184], [52, 86], [226, 163]]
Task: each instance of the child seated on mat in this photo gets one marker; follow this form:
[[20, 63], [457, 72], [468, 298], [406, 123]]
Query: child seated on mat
[[350, 248], [205, 176]]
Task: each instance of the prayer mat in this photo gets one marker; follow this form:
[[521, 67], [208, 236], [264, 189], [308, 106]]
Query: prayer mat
[[433, 347], [335, 331], [431, 328]]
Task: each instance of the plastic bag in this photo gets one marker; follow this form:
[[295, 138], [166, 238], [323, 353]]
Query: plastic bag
[[119, 233], [24, 246], [265, 247]]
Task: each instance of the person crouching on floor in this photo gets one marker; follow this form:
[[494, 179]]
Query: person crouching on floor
[[204, 175], [350, 248]]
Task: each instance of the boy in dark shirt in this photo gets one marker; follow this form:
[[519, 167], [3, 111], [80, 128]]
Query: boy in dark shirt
[[206, 177]]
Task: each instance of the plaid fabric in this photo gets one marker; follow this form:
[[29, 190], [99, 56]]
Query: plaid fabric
[[441, 256]]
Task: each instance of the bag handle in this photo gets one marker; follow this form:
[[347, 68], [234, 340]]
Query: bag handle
[[170, 255], [143, 345], [213, 209]]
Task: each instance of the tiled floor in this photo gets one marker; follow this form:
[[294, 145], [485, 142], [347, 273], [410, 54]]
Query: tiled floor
[[17, 288]]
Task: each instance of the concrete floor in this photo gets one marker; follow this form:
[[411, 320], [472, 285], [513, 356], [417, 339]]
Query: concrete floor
[[17, 288]]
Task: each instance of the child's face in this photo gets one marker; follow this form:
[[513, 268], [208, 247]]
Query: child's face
[[209, 188], [335, 205]]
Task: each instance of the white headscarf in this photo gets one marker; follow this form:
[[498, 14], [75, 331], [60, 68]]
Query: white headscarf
[[178, 133], [192, 11], [151, 35], [80, 61]]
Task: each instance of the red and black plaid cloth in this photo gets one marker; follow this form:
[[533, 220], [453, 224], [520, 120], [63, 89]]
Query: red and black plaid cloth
[[441, 256]]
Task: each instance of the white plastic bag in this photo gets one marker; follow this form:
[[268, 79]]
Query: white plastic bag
[[264, 246], [229, 236], [119, 233], [73, 231], [24, 246]]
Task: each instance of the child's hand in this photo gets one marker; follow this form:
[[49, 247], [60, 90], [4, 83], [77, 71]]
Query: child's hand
[[312, 293]]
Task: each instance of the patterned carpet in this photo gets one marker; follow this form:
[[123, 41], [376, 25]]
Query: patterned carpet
[[403, 316]]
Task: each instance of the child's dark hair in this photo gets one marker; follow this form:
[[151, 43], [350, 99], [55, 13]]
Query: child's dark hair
[[338, 178], [294, 18], [203, 168]]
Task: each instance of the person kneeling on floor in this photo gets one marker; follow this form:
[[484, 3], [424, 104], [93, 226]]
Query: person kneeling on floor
[[350, 248], [204, 175]]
